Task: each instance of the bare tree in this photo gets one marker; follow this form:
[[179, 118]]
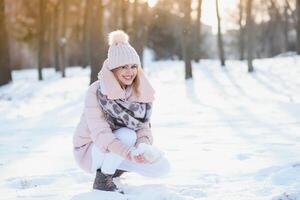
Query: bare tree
[[55, 36], [5, 73], [250, 36], [134, 30], [63, 38], [186, 38], [140, 26], [286, 25], [145, 29], [86, 28], [275, 22], [220, 37], [298, 25], [198, 31], [41, 35], [241, 9], [96, 42], [293, 15]]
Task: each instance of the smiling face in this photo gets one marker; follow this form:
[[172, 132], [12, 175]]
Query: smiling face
[[126, 74]]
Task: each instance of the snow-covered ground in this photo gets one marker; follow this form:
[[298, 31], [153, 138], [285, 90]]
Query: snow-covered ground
[[227, 134]]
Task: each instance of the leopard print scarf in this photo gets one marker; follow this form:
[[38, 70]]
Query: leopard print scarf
[[123, 113]]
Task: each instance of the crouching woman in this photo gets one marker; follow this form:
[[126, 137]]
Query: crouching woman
[[116, 120]]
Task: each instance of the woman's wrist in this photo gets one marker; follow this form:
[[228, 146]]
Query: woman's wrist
[[143, 139]]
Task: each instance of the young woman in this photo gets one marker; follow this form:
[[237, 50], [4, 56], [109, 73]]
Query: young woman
[[116, 119]]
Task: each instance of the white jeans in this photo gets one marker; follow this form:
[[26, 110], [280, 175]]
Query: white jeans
[[109, 162]]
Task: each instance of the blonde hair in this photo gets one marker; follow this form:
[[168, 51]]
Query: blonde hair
[[136, 82]]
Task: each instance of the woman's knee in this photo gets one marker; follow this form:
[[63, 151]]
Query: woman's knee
[[126, 135]]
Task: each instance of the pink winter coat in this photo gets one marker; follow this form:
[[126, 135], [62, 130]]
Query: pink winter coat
[[93, 128]]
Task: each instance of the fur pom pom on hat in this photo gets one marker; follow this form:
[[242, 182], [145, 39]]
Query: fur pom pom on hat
[[120, 52], [117, 37]]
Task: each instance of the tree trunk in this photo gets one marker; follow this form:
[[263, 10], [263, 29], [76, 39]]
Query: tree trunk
[[134, 29], [63, 39], [286, 26], [52, 38], [186, 36], [220, 37], [145, 33], [139, 29], [198, 31], [41, 38], [241, 31], [47, 38], [250, 36], [275, 22], [298, 25], [56, 37], [86, 34], [96, 40], [5, 73]]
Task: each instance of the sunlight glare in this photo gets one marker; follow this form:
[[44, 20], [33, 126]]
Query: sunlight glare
[[152, 3], [209, 12]]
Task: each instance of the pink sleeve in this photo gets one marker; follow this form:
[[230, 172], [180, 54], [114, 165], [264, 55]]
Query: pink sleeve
[[144, 135], [101, 133]]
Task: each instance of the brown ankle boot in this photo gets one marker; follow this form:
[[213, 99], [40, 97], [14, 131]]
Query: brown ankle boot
[[104, 182], [118, 173]]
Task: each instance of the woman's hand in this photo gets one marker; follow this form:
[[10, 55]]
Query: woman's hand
[[140, 159], [136, 156]]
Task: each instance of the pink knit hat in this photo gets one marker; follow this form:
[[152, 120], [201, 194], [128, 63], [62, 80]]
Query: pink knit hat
[[120, 52]]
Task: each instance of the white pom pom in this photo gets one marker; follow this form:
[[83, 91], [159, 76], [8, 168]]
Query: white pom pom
[[118, 36]]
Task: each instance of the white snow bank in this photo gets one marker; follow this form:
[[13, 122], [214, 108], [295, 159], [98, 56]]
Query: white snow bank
[[228, 134]]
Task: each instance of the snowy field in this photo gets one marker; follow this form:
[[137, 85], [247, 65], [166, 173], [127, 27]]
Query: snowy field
[[228, 134]]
